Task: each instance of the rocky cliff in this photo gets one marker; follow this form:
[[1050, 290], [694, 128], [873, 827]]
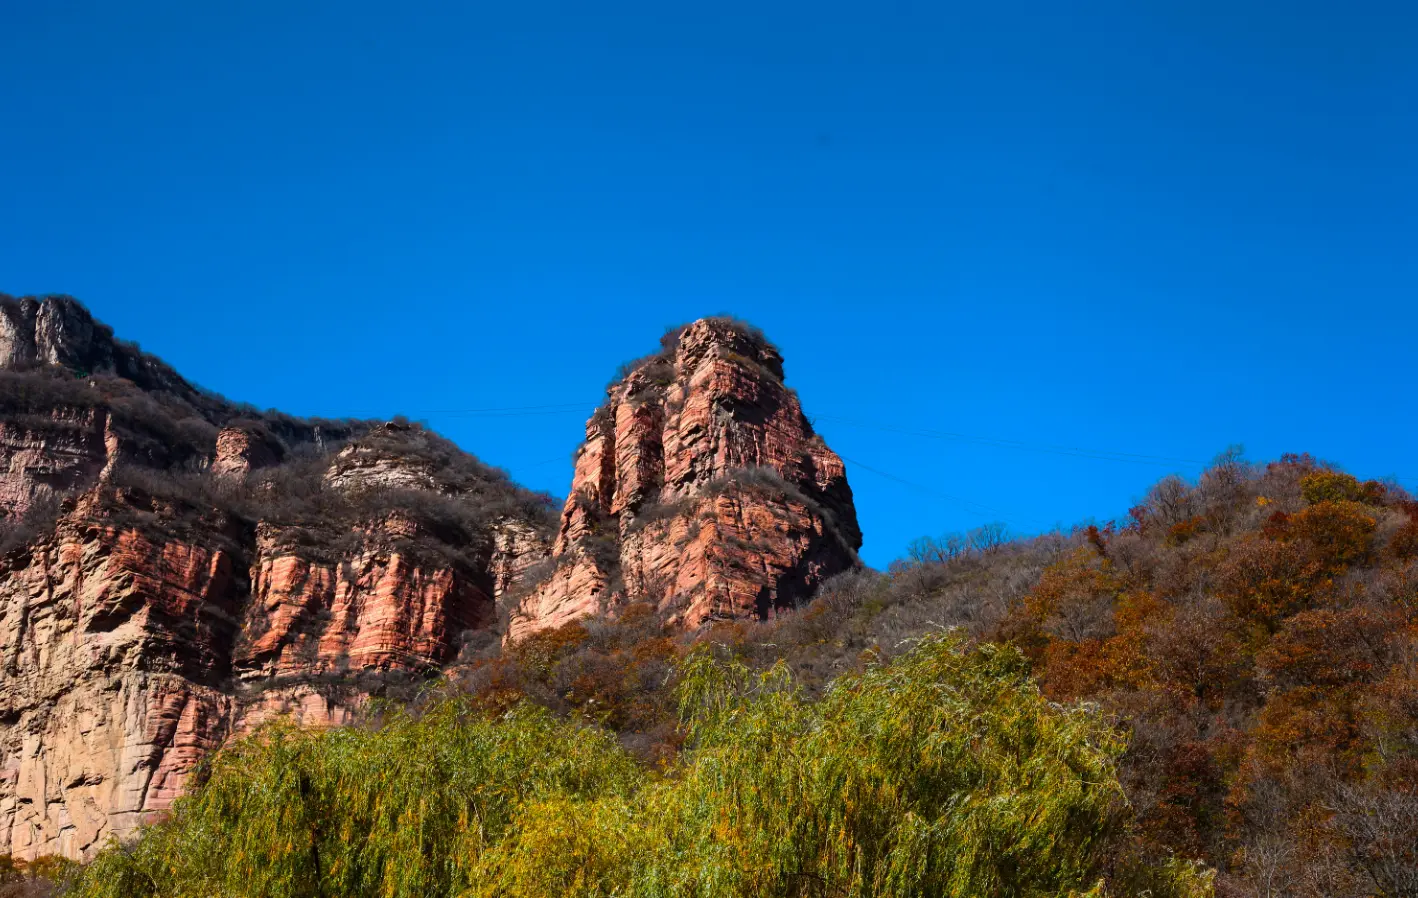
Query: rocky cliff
[[116, 647], [701, 488], [178, 569]]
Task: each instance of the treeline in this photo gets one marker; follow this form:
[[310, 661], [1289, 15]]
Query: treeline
[[1247, 647], [944, 772], [1255, 633]]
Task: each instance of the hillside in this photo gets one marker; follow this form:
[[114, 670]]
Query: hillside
[[687, 684], [1254, 635]]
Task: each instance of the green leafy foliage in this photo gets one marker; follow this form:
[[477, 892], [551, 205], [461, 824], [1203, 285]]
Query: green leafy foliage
[[944, 772]]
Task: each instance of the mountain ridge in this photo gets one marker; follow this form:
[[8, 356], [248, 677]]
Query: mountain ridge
[[180, 568]]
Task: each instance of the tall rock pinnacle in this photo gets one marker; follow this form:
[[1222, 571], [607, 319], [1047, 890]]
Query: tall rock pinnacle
[[701, 488]]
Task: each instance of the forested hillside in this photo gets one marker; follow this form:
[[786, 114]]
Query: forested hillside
[[687, 685], [1239, 653]]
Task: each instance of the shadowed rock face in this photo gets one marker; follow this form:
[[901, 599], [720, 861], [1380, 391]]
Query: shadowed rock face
[[700, 488], [59, 331], [206, 568], [241, 450]]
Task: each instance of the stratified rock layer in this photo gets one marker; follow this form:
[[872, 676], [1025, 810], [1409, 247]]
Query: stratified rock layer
[[700, 488], [116, 644], [178, 570], [43, 457], [375, 608], [131, 651]]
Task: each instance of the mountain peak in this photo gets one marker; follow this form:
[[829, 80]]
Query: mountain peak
[[701, 488], [60, 331]]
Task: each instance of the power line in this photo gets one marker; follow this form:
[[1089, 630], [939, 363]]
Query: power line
[[497, 414], [1000, 442], [970, 504], [561, 406], [546, 461], [511, 411], [976, 439]]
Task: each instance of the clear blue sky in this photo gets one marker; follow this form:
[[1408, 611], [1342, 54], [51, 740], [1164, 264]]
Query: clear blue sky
[[1157, 228]]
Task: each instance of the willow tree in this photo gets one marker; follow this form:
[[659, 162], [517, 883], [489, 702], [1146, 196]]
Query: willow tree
[[942, 773]]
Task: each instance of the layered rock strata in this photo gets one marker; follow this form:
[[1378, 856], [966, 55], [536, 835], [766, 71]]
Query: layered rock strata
[[178, 570], [701, 488]]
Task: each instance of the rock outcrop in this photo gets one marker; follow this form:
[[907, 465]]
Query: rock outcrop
[[176, 570], [46, 456], [377, 607], [179, 570], [243, 449], [700, 488], [59, 331], [116, 643]]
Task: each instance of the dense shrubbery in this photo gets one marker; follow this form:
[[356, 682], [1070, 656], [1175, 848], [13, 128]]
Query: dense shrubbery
[[618, 674], [944, 772], [1256, 633], [1259, 634], [44, 877]]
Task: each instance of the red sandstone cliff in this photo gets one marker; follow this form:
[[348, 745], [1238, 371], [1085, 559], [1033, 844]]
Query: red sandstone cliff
[[177, 570], [700, 488], [116, 643], [43, 457]]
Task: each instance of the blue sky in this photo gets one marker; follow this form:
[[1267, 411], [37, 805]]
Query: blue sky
[[1150, 228]]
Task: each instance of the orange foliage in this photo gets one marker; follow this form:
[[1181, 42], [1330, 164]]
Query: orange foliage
[[1335, 534], [1403, 544], [1308, 725], [1182, 531], [541, 650], [1261, 672], [1263, 580], [1325, 647]]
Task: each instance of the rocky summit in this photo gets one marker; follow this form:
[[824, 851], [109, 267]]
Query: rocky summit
[[177, 568], [701, 489]]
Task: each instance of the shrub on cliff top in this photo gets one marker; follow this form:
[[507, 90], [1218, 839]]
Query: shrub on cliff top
[[943, 773]]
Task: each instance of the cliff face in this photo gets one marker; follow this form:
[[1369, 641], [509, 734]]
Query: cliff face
[[60, 332], [116, 644], [700, 488], [176, 569], [241, 450], [43, 457], [376, 608], [143, 632], [179, 570]]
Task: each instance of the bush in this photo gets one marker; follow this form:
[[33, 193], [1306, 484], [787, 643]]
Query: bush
[[942, 773], [1336, 486]]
